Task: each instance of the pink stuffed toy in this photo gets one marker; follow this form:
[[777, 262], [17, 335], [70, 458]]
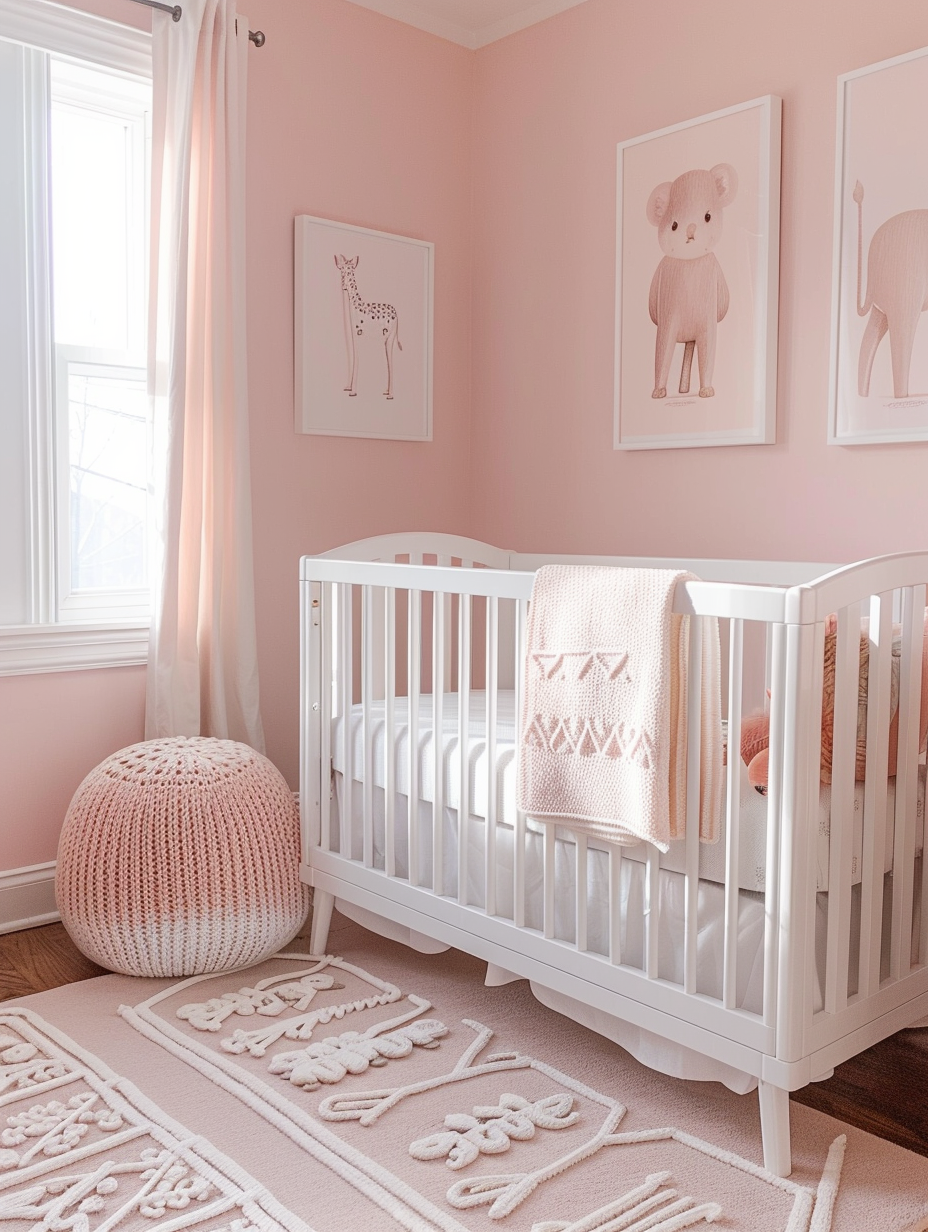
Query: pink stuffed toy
[[755, 728], [755, 753]]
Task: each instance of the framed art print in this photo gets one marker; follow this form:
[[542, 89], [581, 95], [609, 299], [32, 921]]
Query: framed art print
[[363, 332], [697, 259], [879, 343]]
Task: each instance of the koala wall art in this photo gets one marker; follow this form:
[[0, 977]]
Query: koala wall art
[[689, 294], [696, 294]]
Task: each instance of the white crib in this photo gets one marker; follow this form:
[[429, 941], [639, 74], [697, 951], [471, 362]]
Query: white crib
[[793, 944]]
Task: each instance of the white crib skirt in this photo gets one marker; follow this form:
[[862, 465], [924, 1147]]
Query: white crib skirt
[[651, 1049]]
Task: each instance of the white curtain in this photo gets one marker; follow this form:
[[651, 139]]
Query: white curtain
[[202, 669]]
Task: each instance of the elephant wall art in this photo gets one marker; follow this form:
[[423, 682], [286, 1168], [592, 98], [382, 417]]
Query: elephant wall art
[[879, 340], [896, 291]]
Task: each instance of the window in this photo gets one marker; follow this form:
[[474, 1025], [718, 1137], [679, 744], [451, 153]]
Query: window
[[75, 430]]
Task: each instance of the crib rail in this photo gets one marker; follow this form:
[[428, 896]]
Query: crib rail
[[410, 674]]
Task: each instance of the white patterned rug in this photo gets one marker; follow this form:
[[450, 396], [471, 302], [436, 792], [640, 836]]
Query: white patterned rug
[[384, 1090], [83, 1148]]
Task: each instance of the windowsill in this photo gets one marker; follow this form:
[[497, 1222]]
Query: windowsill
[[69, 647]]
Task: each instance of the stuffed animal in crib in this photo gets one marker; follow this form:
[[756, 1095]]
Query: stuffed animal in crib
[[689, 294], [755, 728]]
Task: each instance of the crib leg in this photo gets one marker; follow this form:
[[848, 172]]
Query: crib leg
[[774, 1128], [323, 902]]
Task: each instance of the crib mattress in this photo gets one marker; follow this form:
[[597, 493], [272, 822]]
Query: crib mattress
[[348, 743]]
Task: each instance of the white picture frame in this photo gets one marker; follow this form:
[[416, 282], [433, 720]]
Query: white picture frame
[[363, 331], [878, 381], [727, 164]]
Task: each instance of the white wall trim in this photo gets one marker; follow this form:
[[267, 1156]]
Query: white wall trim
[[472, 37], [26, 649], [71, 32], [27, 897]]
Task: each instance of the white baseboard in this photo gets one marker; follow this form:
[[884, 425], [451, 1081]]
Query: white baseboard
[[27, 897]]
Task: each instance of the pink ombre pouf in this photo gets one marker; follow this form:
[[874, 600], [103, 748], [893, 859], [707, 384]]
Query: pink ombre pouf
[[180, 857]]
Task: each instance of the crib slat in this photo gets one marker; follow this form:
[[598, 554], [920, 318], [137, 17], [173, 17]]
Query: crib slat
[[615, 904], [733, 814], [840, 854], [652, 912], [776, 649], [325, 616], [520, 617], [313, 686], [875, 789], [581, 906], [446, 601], [812, 797], [693, 746], [346, 699], [413, 690], [518, 871], [439, 666], [805, 644], [549, 846], [519, 838], [389, 731], [492, 684], [464, 676], [910, 667], [367, 733]]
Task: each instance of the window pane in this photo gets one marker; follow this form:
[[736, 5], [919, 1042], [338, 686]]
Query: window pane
[[109, 448], [99, 251], [92, 227]]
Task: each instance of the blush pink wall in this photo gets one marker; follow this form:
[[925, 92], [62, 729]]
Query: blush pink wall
[[54, 728], [358, 118], [551, 103]]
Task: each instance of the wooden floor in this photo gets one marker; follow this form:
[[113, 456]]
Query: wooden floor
[[882, 1090]]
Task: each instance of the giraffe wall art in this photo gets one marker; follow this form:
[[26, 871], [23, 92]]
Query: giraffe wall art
[[363, 327], [362, 316]]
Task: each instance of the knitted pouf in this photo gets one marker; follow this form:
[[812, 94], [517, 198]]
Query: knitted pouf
[[180, 857]]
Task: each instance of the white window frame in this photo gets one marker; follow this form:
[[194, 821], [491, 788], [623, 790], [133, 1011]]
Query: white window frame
[[48, 642], [76, 604]]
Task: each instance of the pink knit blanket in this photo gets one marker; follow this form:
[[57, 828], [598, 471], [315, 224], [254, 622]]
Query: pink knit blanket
[[603, 725]]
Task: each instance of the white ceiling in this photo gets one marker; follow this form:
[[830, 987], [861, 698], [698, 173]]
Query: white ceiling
[[472, 23]]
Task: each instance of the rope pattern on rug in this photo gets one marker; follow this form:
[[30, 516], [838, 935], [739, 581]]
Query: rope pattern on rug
[[410, 1208], [504, 1193], [181, 1168]]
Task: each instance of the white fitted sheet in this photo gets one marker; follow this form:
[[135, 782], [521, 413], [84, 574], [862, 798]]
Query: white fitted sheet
[[753, 805]]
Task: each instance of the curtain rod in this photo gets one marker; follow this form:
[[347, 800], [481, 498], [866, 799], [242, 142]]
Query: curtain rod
[[256, 36]]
